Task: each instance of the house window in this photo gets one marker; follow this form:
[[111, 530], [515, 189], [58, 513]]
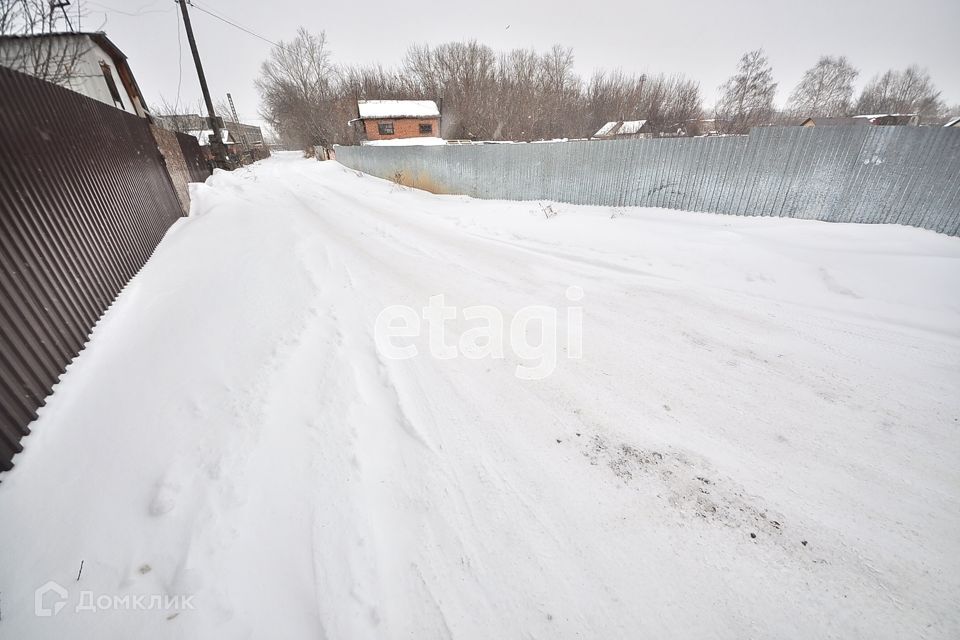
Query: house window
[[111, 84], [426, 129], [385, 128]]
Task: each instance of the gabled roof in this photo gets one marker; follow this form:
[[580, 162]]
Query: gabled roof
[[606, 129], [834, 121], [397, 109], [99, 37], [874, 116], [203, 136], [620, 128], [183, 121]]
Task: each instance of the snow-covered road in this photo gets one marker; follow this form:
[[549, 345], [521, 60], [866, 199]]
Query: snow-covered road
[[761, 438]]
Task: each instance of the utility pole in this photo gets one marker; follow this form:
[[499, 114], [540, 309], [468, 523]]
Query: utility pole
[[216, 145], [240, 131]]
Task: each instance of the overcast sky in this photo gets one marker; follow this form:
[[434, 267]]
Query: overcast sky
[[701, 39]]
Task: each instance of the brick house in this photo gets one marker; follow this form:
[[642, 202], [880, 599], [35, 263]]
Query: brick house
[[394, 119], [879, 119]]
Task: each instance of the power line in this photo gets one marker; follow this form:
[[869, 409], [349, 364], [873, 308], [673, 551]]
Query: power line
[[216, 143], [142, 11], [234, 24]]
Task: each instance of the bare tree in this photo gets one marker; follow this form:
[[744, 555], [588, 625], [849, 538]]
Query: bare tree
[[671, 104], [518, 95], [183, 118], [908, 91], [374, 81], [747, 97], [612, 96], [560, 89], [41, 52], [10, 11], [464, 75], [826, 89], [519, 110], [298, 84]]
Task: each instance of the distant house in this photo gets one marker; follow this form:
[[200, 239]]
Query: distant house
[[702, 127], [878, 119], [249, 133], [624, 129], [953, 122], [183, 122], [235, 134], [892, 119], [85, 62], [395, 119], [203, 137], [832, 121]]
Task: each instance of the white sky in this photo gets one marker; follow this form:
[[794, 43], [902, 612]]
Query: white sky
[[702, 39]]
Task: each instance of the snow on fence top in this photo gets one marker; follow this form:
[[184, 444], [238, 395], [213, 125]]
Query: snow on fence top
[[405, 142], [397, 109]]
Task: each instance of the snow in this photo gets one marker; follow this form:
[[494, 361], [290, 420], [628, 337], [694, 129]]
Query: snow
[[625, 127], [631, 126], [425, 141], [397, 109], [606, 129], [232, 434], [873, 116], [204, 136]]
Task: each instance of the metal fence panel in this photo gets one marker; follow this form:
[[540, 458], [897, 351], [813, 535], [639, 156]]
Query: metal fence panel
[[865, 174], [84, 200]]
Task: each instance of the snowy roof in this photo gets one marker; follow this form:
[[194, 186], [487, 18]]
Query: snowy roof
[[955, 122], [873, 116], [620, 128], [99, 37], [834, 121], [397, 109], [203, 136], [631, 126], [606, 129]]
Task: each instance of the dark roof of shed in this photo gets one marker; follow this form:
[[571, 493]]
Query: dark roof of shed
[[834, 120]]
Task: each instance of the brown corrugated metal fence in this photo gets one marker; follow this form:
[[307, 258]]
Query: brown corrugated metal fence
[[84, 200], [197, 165], [184, 161]]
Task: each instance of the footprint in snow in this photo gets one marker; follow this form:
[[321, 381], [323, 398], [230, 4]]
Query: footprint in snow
[[164, 499]]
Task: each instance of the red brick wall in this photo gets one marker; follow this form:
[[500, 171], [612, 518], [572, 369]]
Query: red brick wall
[[402, 128]]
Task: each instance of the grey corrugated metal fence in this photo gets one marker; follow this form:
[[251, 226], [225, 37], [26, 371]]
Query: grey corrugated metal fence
[[84, 200], [904, 175]]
